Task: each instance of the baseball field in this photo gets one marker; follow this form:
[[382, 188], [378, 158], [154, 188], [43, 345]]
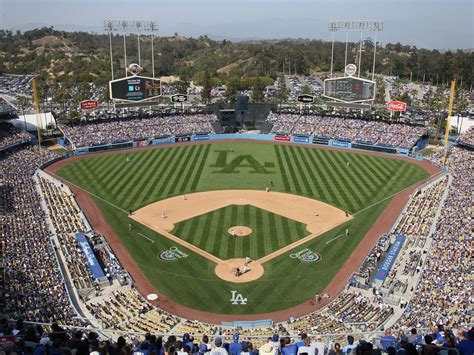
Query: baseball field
[[200, 209]]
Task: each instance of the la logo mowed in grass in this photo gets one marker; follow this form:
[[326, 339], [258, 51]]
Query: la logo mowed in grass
[[240, 161]]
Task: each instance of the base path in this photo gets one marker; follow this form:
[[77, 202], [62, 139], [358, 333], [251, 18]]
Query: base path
[[382, 225], [318, 216]]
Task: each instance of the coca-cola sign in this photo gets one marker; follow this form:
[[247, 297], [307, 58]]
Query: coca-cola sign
[[397, 106]]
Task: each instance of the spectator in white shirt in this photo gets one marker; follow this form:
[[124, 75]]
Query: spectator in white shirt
[[218, 349], [319, 345]]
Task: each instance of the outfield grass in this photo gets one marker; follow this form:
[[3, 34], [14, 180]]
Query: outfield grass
[[363, 188], [270, 232]]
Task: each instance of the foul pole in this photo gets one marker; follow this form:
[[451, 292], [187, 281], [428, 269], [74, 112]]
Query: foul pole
[[38, 119], [448, 121]]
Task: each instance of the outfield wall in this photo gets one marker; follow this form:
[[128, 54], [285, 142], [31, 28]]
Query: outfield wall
[[301, 139]]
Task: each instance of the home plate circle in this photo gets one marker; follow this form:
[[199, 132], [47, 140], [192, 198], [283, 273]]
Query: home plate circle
[[239, 231], [226, 270]]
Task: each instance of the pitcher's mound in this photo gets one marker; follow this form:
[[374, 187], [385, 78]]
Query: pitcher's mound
[[227, 270], [240, 231]]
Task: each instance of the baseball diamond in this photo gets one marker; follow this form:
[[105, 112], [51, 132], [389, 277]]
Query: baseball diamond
[[169, 192], [355, 194]]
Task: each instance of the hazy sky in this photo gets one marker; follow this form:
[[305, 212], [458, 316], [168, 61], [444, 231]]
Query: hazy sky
[[424, 23]]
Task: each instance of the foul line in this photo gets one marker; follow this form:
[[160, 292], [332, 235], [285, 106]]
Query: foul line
[[67, 182], [394, 194], [144, 236], [296, 244], [330, 240]]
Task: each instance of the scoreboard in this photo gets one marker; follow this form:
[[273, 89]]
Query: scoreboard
[[349, 89], [134, 88]]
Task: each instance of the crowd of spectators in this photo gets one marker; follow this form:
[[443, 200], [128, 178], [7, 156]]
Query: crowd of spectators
[[66, 218], [443, 295], [98, 131], [32, 286], [467, 138], [346, 128], [10, 135], [59, 340], [282, 123]]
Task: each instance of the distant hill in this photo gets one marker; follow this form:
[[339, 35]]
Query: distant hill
[[78, 59]]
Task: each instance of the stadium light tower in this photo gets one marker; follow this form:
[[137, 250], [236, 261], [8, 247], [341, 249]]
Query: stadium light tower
[[124, 25], [153, 25], [131, 27], [108, 27], [355, 26]]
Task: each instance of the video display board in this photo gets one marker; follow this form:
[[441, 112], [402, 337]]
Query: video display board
[[135, 88]]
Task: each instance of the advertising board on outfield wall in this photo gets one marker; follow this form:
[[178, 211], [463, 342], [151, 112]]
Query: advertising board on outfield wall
[[282, 138], [161, 140], [262, 137], [201, 137], [299, 139], [342, 144], [179, 139]]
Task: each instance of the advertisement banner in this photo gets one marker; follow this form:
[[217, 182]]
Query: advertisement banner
[[390, 258], [89, 105], [141, 143], [161, 140], [403, 151], [397, 106], [182, 139], [301, 139], [321, 140], [201, 137], [335, 143], [94, 265], [282, 138]]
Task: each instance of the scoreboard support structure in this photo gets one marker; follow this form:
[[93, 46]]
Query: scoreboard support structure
[[349, 89], [355, 26]]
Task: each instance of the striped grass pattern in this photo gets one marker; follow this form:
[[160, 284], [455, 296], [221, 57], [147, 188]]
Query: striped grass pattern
[[357, 183], [270, 232], [348, 181]]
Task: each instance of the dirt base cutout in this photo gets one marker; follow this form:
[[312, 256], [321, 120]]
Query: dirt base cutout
[[239, 231], [226, 270]]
